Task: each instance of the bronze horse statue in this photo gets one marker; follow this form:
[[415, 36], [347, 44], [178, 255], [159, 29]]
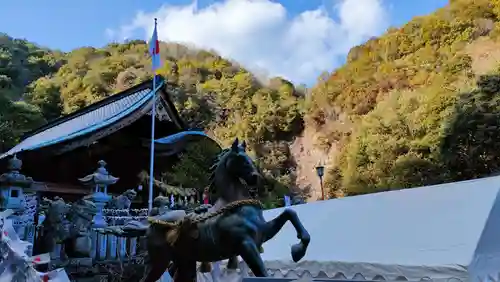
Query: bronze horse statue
[[234, 226]]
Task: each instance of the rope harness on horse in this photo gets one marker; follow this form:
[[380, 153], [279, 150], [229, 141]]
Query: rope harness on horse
[[187, 225]]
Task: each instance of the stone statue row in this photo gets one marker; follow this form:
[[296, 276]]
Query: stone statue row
[[71, 224], [63, 223], [176, 240]]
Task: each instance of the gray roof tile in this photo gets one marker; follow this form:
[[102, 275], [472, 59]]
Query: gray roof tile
[[82, 124]]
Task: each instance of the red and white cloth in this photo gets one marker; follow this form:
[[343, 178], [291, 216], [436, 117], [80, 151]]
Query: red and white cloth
[[154, 50], [15, 263], [58, 275]]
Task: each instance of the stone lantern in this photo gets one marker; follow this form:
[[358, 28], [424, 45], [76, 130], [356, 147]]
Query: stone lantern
[[12, 184], [99, 181]]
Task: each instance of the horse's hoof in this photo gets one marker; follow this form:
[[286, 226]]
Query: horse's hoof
[[298, 252]]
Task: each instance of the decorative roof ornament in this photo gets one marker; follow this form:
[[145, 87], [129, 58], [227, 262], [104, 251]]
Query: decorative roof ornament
[[14, 177], [100, 177], [15, 164]]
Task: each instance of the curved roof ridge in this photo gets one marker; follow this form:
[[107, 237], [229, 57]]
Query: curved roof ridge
[[89, 119], [108, 100]]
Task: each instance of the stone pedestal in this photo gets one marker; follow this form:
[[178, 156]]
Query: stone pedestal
[[99, 199]]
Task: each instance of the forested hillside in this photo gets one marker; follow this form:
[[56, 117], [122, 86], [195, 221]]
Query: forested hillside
[[417, 106], [217, 95], [21, 63]]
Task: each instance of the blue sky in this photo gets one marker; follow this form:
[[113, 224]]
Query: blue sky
[[66, 25]]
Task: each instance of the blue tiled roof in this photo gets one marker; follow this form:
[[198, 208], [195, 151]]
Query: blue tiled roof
[[85, 123]]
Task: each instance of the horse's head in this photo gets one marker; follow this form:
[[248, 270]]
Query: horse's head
[[241, 166], [234, 168]]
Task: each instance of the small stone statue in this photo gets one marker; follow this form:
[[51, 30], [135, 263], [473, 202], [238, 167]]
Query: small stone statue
[[80, 215], [160, 206], [69, 224], [55, 227], [123, 201]]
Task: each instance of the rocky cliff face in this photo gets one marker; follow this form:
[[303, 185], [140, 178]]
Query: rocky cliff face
[[307, 157]]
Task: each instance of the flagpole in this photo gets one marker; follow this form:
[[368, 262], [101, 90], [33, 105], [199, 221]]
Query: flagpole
[[152, 157]]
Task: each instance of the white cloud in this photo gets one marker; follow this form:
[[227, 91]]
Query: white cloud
[[110, 34], [261, 34]]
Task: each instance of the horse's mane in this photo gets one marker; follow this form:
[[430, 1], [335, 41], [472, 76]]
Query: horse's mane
[[213, 169]]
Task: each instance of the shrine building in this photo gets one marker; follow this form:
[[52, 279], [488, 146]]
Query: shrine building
[[116, 129]]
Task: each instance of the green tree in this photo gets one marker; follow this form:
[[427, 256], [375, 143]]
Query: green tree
[[192, 169], [44, 93], [470, 147]]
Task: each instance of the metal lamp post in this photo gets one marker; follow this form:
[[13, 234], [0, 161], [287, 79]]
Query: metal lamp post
[[320, 171]]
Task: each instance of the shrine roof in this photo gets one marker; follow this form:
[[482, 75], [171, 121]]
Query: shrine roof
[[96, 116]]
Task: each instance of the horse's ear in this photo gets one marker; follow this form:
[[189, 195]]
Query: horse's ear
[[244, 145], [234, 147]]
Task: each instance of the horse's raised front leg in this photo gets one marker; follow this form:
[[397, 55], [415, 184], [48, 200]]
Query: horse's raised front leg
[[274, 226], [251, 255]]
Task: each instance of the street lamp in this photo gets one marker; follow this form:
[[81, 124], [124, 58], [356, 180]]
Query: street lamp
[[320, 171]]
